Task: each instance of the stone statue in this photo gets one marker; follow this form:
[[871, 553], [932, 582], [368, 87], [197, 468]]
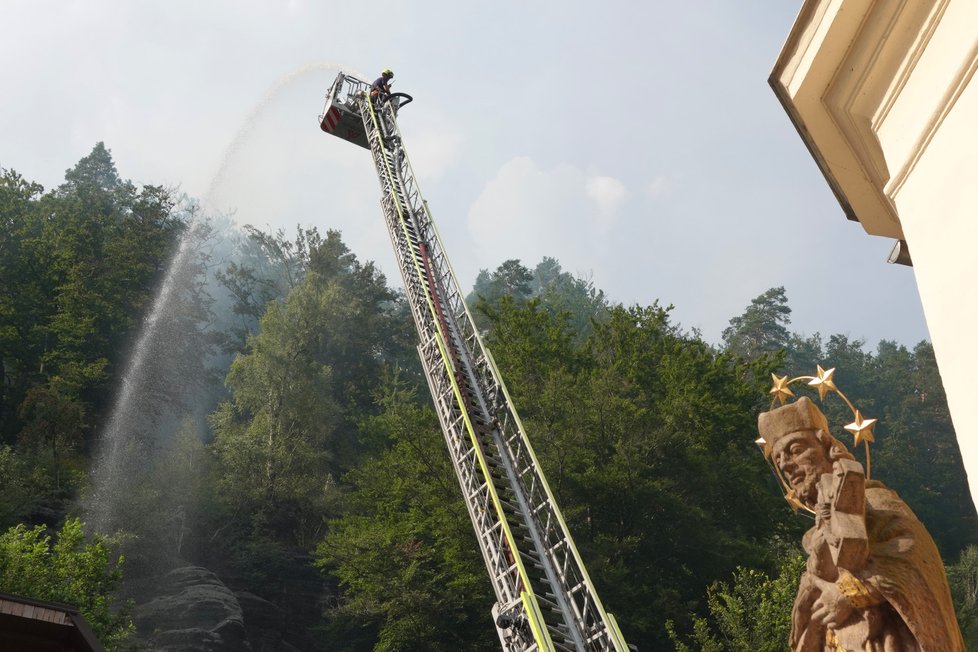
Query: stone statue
[[874, 580]]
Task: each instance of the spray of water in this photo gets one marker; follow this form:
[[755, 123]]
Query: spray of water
[[148, 384], [155, 376], [252, 118]]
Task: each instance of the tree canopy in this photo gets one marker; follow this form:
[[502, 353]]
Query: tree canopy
[[66, 568], [286, 441]]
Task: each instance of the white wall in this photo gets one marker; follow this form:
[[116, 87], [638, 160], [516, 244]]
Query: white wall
[[938, 206]]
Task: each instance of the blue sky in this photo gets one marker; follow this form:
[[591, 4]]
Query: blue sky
[[636, 142]]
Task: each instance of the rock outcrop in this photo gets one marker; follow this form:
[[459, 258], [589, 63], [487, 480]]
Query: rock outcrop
[[191, 610]]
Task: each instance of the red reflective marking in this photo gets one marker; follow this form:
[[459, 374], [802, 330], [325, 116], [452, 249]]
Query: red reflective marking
[[332, 119]]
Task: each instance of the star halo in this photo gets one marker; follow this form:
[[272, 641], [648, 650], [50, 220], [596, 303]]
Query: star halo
[[861, 428]]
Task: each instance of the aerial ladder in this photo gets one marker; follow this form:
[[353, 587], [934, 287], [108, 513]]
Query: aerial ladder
[[545, 600]]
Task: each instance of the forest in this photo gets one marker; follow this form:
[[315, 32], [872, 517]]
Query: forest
[[196, 413]]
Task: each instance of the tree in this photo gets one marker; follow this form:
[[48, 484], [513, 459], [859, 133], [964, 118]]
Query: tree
[[95, 172], [68, 569], [916, 451], [53, 425], [25, 289], [558, 292], [274, 438], [751, 613], [629, 425], [761, 329], [79, 270], [17, 491], [263, 267], [511, 279], [962, 577], [802, 354], [299, 392], [110, 244], [404, 552], [84, 262]]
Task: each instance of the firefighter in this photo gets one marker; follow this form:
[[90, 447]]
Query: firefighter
[[381, 88]]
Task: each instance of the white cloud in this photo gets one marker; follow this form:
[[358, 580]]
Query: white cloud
[[528, 212], [608, 194]]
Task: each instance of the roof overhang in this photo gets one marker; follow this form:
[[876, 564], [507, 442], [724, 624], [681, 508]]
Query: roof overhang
[[841, 77], [29, 624]]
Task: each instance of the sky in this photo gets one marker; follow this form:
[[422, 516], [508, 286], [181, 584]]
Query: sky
[[637, 142]]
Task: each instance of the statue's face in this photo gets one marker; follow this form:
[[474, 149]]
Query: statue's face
[[802, 461]]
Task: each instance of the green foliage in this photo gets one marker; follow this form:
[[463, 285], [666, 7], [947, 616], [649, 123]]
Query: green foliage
[[53, 425], [761, 329], [962, 577], [67, 569], [557, 291], [78, 268], [644, 430], [46, 468], [109, 243], [298, 393], [273, 441], [83, 263], [511, 279], [264, 267], [24, 291], [751, 613], [15, 491], [645, 434], [404, 551], [93, 173]]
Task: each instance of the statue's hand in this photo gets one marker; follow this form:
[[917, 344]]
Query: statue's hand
[[832, 608]]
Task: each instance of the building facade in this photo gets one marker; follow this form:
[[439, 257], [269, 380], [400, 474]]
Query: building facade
[[882, 93]]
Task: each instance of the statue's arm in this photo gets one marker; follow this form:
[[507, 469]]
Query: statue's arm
[[860, 593], [839, 599]]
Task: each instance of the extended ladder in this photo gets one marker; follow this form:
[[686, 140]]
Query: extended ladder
[[545, 599]]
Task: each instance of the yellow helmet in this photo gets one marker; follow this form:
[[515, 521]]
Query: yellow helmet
[[387, 72]]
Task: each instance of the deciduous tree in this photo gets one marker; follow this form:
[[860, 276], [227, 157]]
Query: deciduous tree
[[67, 568]]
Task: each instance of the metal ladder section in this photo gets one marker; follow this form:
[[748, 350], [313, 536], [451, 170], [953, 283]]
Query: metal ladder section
[[545, 599]]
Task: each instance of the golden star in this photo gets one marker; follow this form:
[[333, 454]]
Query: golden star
[[862, 428], [780, 388], [824, 382]]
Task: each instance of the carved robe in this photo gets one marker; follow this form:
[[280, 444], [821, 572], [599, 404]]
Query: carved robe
[[907, 603]]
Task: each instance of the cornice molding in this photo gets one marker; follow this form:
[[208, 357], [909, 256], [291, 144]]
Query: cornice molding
[[846, 79]]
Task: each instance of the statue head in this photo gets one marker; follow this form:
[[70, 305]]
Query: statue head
[[797, 440]]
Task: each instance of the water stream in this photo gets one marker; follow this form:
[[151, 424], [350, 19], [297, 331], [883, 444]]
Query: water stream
[[159, 385]]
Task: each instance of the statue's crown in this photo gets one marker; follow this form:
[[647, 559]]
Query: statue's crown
[[801, 415]]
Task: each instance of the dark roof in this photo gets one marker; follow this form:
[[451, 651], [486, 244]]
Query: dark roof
[[31, 625]]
